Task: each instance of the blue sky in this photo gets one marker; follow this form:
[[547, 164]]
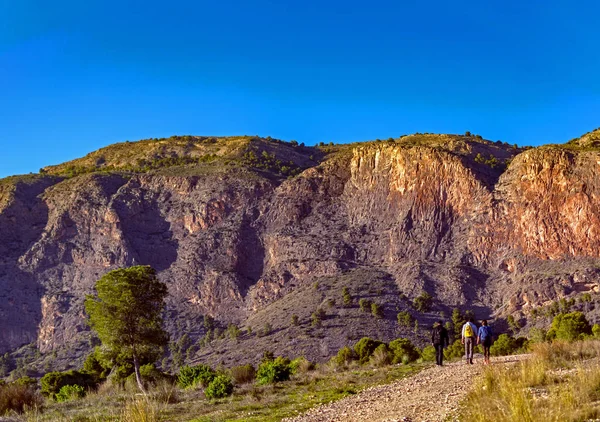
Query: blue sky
[[76, 76]]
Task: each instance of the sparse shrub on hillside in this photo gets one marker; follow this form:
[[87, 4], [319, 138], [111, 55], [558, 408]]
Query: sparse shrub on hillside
[[513, 325], [315, 320], [423, 302], [596, 330], [570, 327], [403, 350], [243, 374], [70, 392], [301, 365], [381, 356], [272, 371], [17, 398], [346, 296], [266, 330], [365, 347], [221, 386], [405, 319], [344, 356], [190, 376], [365, 305], [376, 310], [294, 320], [233, 331]]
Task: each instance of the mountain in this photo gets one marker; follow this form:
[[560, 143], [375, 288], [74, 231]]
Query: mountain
[[251, 231]]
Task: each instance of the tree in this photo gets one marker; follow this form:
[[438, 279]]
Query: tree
[[126, 314], [423, 302]]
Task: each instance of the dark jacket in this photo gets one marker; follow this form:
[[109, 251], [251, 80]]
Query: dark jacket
[[439, 335]]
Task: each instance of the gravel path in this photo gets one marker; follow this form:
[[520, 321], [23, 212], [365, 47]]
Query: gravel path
[[433, 394]]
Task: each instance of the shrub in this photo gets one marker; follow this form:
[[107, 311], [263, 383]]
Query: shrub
[[428, 354], [377, 310], [190, 376], [596, 330], [70, 392], [423, 302], [221, 386], [52, 382], [27, 381], [505, 345], [344, 356], [537, 335], [365, 305], [381, 356], [272, 371], [243, 374], [570, 327], [315, 319], [405, 319], [301, 365], [346, 296], [403, 350], [17, 398], [365, 348], [294, 319], [455, 350]]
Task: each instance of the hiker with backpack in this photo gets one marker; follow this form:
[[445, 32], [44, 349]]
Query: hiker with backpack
[[439, 340], [469, 335], [484, 337]]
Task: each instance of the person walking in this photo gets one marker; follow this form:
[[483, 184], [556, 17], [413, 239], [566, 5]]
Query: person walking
[[469, 335], [439, 340], [484, 337]]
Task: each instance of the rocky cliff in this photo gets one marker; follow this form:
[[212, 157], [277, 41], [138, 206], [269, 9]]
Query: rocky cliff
[[251, 230]]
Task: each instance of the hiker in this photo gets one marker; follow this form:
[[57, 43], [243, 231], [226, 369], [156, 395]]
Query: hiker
[[484, 337], [439, 340], [469, 335]]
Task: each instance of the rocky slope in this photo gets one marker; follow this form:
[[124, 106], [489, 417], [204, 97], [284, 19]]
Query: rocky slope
[[251, 231]]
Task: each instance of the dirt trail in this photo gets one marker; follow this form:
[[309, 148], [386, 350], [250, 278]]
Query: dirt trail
[[432, 395]]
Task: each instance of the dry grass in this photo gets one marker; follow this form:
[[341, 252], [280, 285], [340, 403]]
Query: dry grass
[[560, 382], [18, 398]]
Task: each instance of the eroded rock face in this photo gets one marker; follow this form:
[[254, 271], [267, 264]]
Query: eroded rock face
[[230, 242]]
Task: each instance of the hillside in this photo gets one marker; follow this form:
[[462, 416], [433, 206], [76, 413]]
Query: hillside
[[251, 231]]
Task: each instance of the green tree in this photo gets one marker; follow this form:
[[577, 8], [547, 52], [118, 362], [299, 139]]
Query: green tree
[[423, 302], [458, 320], [126, 314], [346, 296], [570, 327], [377, 310], [405, 319]]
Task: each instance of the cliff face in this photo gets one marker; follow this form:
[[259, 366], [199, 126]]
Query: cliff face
[[444, 214]]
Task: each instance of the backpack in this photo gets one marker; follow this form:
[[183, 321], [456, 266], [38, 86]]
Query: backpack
[[469, 330], [484, 332], [436, 336]]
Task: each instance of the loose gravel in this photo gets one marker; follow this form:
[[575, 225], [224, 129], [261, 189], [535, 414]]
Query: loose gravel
[[434, 394]]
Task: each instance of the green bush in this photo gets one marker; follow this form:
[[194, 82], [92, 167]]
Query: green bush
[[365, 347], [596, 330], [344, 356], [17, 398], [52, 382], [221, 386], [381, 356], [504, 345], [423, 302], [190, 376], [377, 310], [428, 353], [272, 371], [70, 392], [403, 350], [365, 305], [455, 350], [301, 365], [405, 319], [27, 381], [570, 327], [346, 296], [243, 374]]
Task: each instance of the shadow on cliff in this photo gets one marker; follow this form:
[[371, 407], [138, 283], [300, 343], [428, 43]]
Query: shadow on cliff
[[149, 234], [251, 257], [21, 225]]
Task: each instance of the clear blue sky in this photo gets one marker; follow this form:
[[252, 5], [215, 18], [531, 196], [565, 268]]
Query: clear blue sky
[[79, 75]]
